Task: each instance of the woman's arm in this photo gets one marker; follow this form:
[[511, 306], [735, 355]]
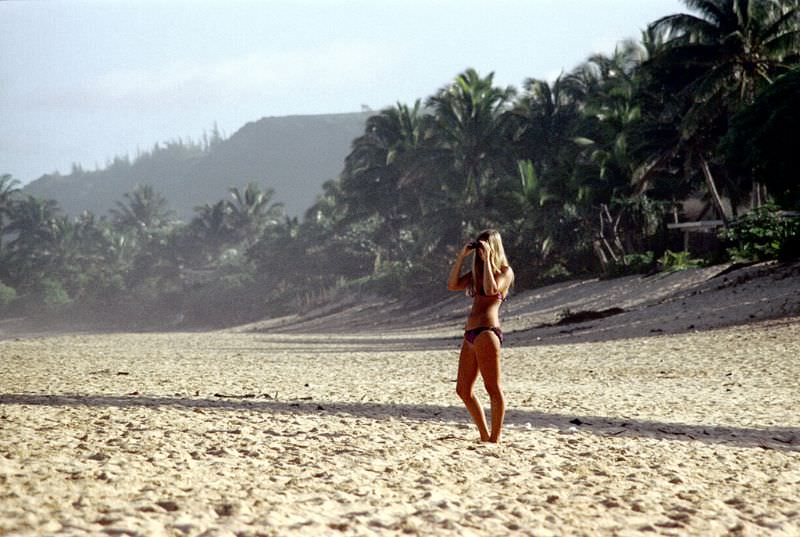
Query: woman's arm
[[456, 281], [489, 282], [493, 285]]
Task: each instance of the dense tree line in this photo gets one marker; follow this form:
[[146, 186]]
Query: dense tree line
[[580, 174]]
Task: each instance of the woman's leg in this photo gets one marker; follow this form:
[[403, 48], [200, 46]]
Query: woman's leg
[[487, 353], [467, 374]]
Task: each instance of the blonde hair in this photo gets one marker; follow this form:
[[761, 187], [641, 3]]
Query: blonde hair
[[496, 256]]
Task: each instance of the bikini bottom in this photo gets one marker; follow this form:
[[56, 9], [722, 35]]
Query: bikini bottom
[[472, 333]]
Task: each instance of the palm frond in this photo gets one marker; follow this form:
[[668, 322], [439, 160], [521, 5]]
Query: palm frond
[[683, 28], [784, 44], [716, 11], [787, 21]]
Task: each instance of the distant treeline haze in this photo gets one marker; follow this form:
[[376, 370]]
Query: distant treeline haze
[[580, 175]]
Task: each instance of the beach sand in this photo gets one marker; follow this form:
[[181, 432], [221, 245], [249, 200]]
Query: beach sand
[[249, 432]]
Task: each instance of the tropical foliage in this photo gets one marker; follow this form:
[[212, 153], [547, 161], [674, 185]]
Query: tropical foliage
[[580, 174], [762, 234]]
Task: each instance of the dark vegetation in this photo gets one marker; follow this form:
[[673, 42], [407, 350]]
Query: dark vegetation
[[580, 174]]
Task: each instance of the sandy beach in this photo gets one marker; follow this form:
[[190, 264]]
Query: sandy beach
[[295, 427]]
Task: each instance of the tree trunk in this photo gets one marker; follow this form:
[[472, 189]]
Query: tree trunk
[[604, 213], [712, 189], [601, 255], [757, 201], [617, 240]]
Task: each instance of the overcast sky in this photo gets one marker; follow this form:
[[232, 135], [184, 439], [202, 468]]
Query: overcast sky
[[85, 81]]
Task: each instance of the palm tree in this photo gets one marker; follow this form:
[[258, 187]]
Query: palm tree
[[144, 212], [77, 253], [378, 160], [31, 220], [757, 140], [613, 108], [616, 109], [730, 50], [538, 220], [33, 224], [472, 132], [252, 210], [546, 119], [212, 228], [664, 155], [385, 176], [8, 191], [741, 44]]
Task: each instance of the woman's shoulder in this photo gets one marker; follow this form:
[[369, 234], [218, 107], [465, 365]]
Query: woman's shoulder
[[507, 274]]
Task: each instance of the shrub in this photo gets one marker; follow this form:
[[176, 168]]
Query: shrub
[[564, 314], [52, 295], [763, 234], [675, 261], [632, 264], [390, 281], [7, 295], [556, 273]]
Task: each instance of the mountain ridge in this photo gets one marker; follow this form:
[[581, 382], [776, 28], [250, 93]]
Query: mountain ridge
[[293, 155]]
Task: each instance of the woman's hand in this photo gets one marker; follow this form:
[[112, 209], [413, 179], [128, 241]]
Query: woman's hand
[[483, 247], [466, 250]]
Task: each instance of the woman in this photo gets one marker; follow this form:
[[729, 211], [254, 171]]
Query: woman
[[488, 283]]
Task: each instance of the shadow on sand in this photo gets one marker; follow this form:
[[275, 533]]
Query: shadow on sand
[[776, 438], [537, 336], [338, 345]]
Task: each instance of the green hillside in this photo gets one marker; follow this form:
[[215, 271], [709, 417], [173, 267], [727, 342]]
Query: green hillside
[[293, 155]]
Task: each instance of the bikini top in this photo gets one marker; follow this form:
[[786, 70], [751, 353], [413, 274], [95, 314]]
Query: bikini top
[[498, 296]]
